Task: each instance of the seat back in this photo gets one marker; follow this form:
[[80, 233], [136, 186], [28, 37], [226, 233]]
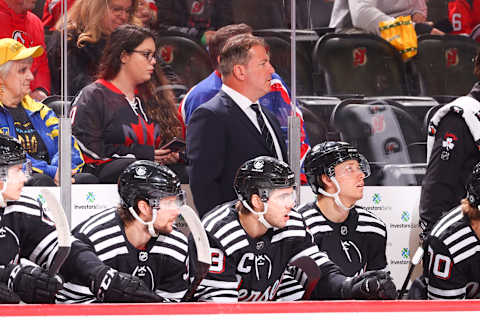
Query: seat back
[[444, 65], [384, 133], [188, 59], [56, 103], [280, 59], [365, 64]]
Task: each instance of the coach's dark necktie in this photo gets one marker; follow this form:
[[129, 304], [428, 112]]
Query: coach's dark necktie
[[264, 129]]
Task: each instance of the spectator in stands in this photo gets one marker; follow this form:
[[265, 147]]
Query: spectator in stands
[[119, 117], [89, 23], [52, 11], [146, 13], [31, 122], [452, 151], [464, 15], [232, 127], [22, 25], [365, 15], [277, 100], [196, 18]]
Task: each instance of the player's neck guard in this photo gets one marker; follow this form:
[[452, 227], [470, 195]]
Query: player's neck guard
[[149, 224], [335, 195], [261, 215]]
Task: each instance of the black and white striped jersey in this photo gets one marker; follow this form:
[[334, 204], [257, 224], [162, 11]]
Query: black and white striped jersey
[[355, 245], [255, 269], [162, 264], [452, 258], [26, 231]]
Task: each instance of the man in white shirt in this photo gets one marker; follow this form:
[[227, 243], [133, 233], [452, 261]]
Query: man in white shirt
[[232, 127]]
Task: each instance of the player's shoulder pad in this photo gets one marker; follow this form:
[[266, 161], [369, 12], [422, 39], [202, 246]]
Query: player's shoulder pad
[[369, 222], [174, 245], [223, 226]]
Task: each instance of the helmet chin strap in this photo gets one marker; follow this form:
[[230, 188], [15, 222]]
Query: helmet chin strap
[[261, 215], [3, 203], [149, 224], [335, 195]]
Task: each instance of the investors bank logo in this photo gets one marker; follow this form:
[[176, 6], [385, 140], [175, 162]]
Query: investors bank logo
[[41, 199], [376, 198], [405, 253], [90, 197], [405, 216]]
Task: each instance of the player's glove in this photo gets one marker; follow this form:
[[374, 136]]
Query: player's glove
[[113, 286], [371, 285], [32, 284], [8, 296]]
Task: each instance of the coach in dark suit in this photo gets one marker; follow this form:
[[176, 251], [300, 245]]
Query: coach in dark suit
[[232, 128]]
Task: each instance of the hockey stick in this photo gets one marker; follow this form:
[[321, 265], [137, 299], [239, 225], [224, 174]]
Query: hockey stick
[[203, 249], [415, 260], [312, 270], [308, 266], [63, 231]]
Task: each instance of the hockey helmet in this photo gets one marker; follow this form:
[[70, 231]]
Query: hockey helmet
[[323, 158], [149, 181], [11, 151], [473, 187], [260, 175]]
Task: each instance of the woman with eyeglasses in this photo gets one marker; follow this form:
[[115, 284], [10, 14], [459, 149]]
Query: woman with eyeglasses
[[89, 24], [354, 238], [120, 118]]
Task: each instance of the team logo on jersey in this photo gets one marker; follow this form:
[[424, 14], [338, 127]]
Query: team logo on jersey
[[359, 56], [451, 57], [5, 130], [260, 245], [260, 262], [146, 274], [258, 165], [343, 230], [143, 256], [166, 52], [448, 144], [140, 172], [346, 246]]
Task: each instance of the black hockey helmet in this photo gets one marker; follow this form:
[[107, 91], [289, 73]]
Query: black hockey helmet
[[149, 181], [473, 187], [260, 175], [11, 151], [323, 158]]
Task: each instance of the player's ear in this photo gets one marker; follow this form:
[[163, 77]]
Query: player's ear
[[256, 202], [144, 210]]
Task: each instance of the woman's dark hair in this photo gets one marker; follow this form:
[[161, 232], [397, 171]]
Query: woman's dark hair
[[160, 107]]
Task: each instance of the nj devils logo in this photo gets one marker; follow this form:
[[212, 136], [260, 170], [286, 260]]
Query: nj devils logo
[[198, 7], [451, 57], [167, 54], [21, 37], [359, 57]]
